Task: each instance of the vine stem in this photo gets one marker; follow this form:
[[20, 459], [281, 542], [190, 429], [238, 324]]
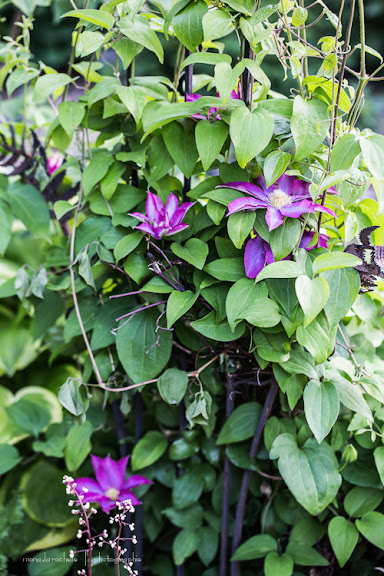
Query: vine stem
[[132, 386], [240, 511], [73, 289]]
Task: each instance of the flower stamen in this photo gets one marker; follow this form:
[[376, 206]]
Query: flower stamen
[[279, 199]]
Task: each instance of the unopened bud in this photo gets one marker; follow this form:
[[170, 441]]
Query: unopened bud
[[349, 454]]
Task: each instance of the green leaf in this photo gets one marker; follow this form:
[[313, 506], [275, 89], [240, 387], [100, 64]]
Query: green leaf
[[188, 26], [343, 536], [350, 394], [97, 17], [194, 251], [283, 269], [141, 32], [28, 417], [208, 545], [188, 488], [180, 142], [52, 562], [378, 455], [78, 445], [284, 238], [148, 450], [9, 458], [256, 547], [371, 526], [312, 295], [240, 297], [70, 115], [135, 342], [241, 424], [321, 406], [318, 338], [278, 564], [178, 304], [239, 226], [344, 152], [6, 220], [332, 260], [206, 58], [264, 313], [95, 171], [73, 396], [216, 24], [49, 83], [184, 545], [344, 284], [275, 165], [159, 161], [220, 331], [250, 133], [126, 50], [373, 154], [126, 245], [89, 42], [29, 206], [134, 98], [361, 500], [310, 472], [226, 79], [299, 17], [227, 269], [210, 137], [173, 385], [85, 269], [309, 125]]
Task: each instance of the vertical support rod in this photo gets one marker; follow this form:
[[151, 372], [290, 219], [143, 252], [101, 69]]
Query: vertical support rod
[[224, 537], [246, 77], [240, 511]]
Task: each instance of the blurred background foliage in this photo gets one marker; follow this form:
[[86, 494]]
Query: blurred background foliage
[[51, 39]]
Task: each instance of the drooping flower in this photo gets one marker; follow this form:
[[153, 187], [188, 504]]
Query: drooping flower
[[212, 111], [257, 254], [54, 162], [287, 197], [308, 237], [159, 220], [110, 485]]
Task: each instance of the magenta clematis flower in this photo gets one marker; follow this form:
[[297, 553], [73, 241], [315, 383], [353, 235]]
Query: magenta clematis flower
[[110, 485], [160, 221], [54, 162], [308, 237], [212, 111], [287, 197]]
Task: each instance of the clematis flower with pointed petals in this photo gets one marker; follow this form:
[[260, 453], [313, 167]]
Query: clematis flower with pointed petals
[[110, 485], [288, 197], [159, 220], [54, 162], [308, 237], [212, 111]]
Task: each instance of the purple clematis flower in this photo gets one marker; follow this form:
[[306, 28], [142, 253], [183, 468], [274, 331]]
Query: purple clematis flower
[[287, 197], [308, 237], [54, 162], [257, 254], [160, 221], [212, 111], [110, 485]]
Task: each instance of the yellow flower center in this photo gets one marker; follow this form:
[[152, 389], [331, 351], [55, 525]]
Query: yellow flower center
[[279, 199], [112, 494]]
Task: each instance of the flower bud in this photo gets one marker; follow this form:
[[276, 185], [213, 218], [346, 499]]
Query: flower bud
[[349, 454]]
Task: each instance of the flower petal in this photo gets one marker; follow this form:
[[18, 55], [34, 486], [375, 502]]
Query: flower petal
[[254, 256], [139, 216], [109, 473], [154, 206], [133, 481], [192, 97], [94, 490], [107, 504], [171, 205], [320, 208], [273, 217], [145, 227], [245, 204], [180, 213], [175, 229], [269, 257], [128, 495], [296, 209], [246, 187]]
